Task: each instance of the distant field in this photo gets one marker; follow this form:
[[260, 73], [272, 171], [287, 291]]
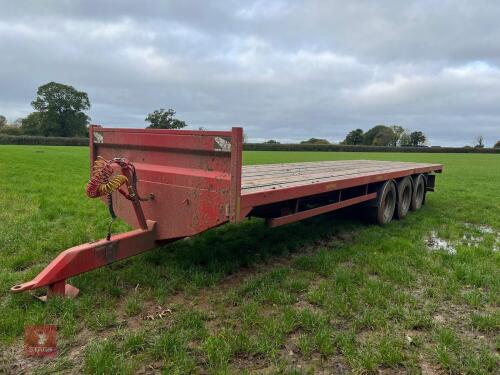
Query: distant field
[[328, 294]]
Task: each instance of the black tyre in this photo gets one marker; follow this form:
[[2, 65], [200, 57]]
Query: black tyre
[[386, 203], [405, 195], [418, 196]]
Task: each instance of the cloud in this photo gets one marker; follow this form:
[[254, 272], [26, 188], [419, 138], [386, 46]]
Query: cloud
[[286, 70]]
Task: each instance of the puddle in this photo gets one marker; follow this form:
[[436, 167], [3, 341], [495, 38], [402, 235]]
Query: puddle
[[472, 238], [433, 242], [481, 228]]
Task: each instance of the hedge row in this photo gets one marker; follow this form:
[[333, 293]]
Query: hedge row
[[61, 141], [349, 148], [38, 140]]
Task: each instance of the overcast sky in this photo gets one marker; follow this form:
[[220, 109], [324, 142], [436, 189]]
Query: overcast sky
[[287, 70]]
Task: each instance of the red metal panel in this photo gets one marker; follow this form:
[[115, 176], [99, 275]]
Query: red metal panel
[[282, 220], [216, 133], [181, 211], [171, 141], [182, 176], [188, 172]]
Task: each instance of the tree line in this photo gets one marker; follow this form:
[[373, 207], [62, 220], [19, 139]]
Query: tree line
[[60, 111], [383, 135], [379, 135]]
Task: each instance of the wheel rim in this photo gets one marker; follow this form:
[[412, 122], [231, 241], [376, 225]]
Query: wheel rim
[[389, 205], [420, 192], [406, 198]]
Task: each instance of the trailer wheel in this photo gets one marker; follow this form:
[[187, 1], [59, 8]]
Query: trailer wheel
[[405, 194], [386, 203], [418, 195]]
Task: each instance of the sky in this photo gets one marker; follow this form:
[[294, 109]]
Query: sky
[[285, 70]]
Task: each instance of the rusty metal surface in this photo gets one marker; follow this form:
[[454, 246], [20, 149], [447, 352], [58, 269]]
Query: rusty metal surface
[[188, 172]]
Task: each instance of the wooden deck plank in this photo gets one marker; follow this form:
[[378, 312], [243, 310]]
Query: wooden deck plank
[[283, 169], [271, 169], [294, 183], [321, 172], [280, 176], [316, 177], [305, 165]]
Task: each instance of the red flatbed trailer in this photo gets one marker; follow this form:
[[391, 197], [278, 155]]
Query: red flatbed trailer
[[197, 182]]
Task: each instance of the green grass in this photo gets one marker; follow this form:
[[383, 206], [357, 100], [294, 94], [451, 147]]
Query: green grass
[[326, 293]]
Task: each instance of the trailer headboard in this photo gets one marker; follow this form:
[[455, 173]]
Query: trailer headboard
[[195, 176]]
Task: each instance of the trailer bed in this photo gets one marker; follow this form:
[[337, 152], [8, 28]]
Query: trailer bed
[[272, 183], [258, 178]]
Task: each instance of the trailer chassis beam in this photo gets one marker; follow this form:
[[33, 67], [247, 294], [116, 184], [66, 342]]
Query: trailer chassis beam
[[286, 219], [89, 256]]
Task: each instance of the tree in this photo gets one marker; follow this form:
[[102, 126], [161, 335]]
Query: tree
[[385, 137], [9, 128], [17, 123], [32, 124], [272, 142], [354, 137], [497, 145], [417, 138], [398, 132], [59, 112], [405, 140], [164, 119], [479, 142], [379, 135], [315, 141]]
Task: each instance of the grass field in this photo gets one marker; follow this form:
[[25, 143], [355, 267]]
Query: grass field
[[327, 295]]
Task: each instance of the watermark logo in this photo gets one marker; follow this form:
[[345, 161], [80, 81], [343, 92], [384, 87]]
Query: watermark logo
[[40, 340]]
